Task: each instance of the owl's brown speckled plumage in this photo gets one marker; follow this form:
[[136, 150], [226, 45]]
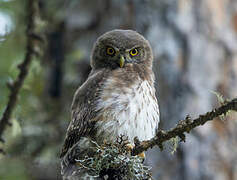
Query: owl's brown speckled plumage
[[118, 96]]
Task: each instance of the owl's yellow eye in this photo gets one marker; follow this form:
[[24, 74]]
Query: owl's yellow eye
[[134, 52], [110, 51]]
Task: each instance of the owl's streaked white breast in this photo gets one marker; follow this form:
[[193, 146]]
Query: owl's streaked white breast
[[131, 111]]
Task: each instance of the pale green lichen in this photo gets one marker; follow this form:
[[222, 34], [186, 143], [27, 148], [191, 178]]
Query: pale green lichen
[[114, 160], [221, 100], [174, 144]]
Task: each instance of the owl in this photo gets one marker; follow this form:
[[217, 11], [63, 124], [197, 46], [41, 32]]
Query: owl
[[118, 98]]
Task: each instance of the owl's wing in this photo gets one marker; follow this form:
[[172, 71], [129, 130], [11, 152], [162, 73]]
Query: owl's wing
[[83, 110]]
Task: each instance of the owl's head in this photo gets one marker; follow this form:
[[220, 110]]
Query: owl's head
[[118, 48]]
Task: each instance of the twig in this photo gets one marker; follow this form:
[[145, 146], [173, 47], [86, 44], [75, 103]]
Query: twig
[[32, 9], [184, 126]]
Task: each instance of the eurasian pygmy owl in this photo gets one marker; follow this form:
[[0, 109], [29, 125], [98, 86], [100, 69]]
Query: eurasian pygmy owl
[[118, 98]]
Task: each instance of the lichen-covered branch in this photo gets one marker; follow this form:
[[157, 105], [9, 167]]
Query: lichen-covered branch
[[70, 168], [184, 126], [32, 37]]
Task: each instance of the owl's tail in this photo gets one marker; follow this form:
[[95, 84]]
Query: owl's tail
[[71, 168]]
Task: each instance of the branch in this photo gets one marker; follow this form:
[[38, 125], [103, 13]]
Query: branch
[[90, 156], [184, 126], [32, 9]]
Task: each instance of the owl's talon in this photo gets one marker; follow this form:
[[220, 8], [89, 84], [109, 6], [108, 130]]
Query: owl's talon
[[142, 155], [129, 147]]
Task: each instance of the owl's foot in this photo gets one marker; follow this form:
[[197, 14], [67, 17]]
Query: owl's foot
[[130, 147], [142, 155]]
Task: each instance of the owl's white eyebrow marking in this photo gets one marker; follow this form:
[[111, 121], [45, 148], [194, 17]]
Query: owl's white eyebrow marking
[[137, 47]]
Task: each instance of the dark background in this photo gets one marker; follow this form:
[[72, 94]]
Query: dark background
[[195, 53]]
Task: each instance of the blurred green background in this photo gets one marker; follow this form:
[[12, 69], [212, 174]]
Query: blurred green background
[[40, 118]]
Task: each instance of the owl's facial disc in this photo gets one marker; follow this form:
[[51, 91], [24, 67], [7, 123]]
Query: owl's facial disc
[[122, 56], [119, 56]]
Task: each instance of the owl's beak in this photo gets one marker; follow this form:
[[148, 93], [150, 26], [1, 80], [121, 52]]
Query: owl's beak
[[121, 61]]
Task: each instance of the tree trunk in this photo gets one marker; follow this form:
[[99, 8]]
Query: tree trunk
[[194, 44]]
